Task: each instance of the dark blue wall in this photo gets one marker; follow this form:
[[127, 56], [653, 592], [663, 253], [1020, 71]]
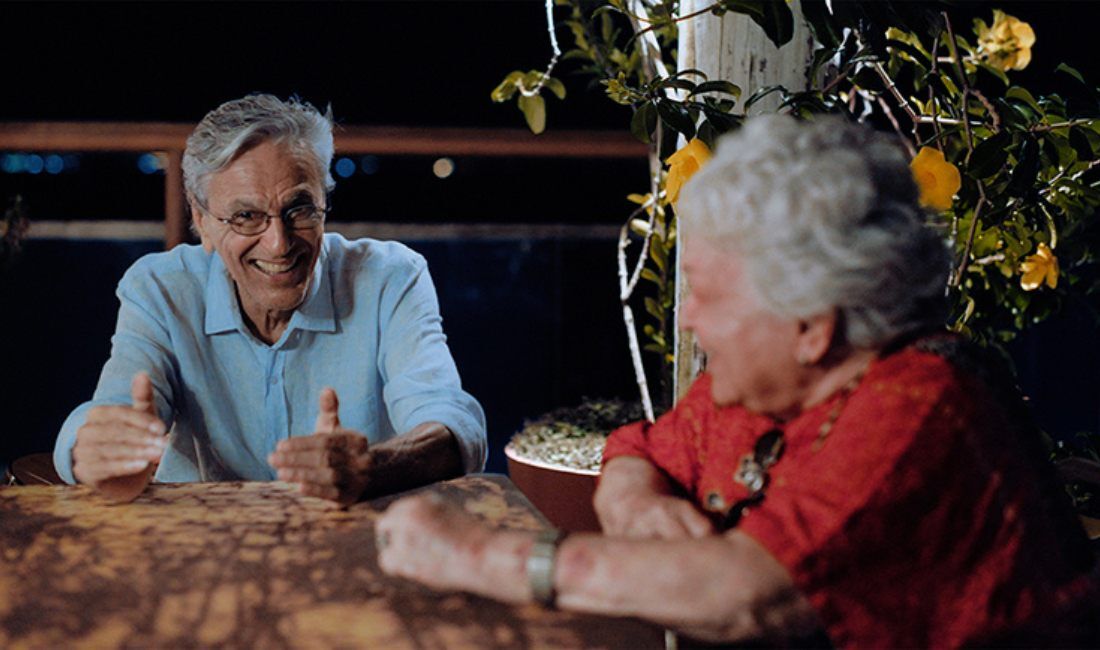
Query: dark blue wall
[[533, 324]]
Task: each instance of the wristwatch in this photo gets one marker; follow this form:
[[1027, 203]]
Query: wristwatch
[[540, 565]]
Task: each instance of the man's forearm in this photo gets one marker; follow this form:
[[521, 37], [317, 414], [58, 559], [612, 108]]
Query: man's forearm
[[425, 454]]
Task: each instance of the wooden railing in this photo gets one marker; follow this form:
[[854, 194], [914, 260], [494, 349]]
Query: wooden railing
[[169, 138]]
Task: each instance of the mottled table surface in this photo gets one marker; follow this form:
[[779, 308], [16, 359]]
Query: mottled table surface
[[251, 565]]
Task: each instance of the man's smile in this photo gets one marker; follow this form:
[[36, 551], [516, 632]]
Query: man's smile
[[276, 268]]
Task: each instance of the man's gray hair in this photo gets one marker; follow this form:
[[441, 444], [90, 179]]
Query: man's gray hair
[[239, 125], [824, 216]]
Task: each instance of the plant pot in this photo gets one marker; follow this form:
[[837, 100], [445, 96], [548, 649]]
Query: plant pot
[[562, 494]]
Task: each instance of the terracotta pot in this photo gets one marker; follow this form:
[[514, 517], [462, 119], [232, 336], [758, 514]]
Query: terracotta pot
[[562, 494]]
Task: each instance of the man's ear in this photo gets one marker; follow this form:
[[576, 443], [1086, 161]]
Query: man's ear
[[197, 220], [815, 336]]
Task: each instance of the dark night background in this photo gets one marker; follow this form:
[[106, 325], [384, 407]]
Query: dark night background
[[533, 322]]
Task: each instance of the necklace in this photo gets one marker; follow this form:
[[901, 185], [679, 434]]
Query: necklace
[[752, 471], [838, 407]]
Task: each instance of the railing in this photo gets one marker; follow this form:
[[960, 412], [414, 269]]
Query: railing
[[169, 138]]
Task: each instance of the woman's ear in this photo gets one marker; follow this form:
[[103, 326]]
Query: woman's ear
[[815, 337]]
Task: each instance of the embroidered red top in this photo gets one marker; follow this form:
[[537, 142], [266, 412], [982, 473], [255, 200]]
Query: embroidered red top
[[920, 520]]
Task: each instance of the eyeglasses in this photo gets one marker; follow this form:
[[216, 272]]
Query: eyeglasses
[[297, 217], [752, 472]]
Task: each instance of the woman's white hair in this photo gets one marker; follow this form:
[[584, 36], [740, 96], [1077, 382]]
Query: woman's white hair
[[239, 125], [824, 216]]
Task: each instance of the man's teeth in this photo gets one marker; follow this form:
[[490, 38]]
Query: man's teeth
[[271, 267]]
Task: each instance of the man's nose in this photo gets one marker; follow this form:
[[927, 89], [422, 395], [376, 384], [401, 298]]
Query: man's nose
[[277, 237]]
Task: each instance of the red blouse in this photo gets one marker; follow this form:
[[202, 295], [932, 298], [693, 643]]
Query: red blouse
[[919, 520]]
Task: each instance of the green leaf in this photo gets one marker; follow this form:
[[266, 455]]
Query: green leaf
[[1027, 167], [989, 156], [653, 308], [708, 134], [659, 257], [507, 88], [822, 23], [763, 92], [644, 122], [995, 71], [555, 86], [651, 275], [1065, 69], [1081, 143], [1021, 94], [718, 86], [682, 84], [773, 15], [676, 117], [534, 111]]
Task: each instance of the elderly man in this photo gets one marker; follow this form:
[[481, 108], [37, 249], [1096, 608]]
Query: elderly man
[[844, 466], [226, 355]]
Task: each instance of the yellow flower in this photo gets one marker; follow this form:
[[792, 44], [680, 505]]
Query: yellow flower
[[937, 179], [682, 165], [1038, 268], [1007, 44]]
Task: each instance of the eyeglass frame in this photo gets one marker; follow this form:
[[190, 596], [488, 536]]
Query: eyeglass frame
[[311, 222]]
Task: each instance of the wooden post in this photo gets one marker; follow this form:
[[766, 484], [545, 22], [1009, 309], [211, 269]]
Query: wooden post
[[734, 48], [175, 207]]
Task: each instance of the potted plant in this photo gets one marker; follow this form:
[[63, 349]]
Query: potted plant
[[555, 459]]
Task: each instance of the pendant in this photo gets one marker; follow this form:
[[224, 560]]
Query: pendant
[[750, 473]]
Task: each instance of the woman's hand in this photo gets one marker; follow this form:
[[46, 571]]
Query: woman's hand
[[634, 501]]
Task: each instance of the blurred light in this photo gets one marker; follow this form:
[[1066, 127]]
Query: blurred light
[[11, 163], [345, 167], [443, 167], [369, 164], [34, 164], [54, 164], [150, 163]]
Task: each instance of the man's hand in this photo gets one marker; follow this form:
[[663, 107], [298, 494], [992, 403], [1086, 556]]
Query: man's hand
[[421, 538], [634, 501], [333, 463], [118, 447]]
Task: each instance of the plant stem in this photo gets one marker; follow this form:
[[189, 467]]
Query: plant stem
[[952, 46], [965, 261]]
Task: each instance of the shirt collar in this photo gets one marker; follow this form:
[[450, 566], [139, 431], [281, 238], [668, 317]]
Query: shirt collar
[[223, 314]]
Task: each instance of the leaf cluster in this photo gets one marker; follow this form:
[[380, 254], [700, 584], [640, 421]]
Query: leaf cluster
[[1028, 162]]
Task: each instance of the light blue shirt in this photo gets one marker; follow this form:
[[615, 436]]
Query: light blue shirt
[[369, 327]]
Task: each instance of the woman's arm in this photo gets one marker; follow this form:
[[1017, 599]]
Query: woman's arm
[[719, 588], [635, 499]]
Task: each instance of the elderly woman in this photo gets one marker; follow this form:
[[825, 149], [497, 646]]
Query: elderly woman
[[836, 470], [228, 355]]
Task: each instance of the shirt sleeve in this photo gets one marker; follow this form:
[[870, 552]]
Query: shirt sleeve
[[670, 443], [141, 342], [421, 381]]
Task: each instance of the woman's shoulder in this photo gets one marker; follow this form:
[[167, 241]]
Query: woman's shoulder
[[954, 368]]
